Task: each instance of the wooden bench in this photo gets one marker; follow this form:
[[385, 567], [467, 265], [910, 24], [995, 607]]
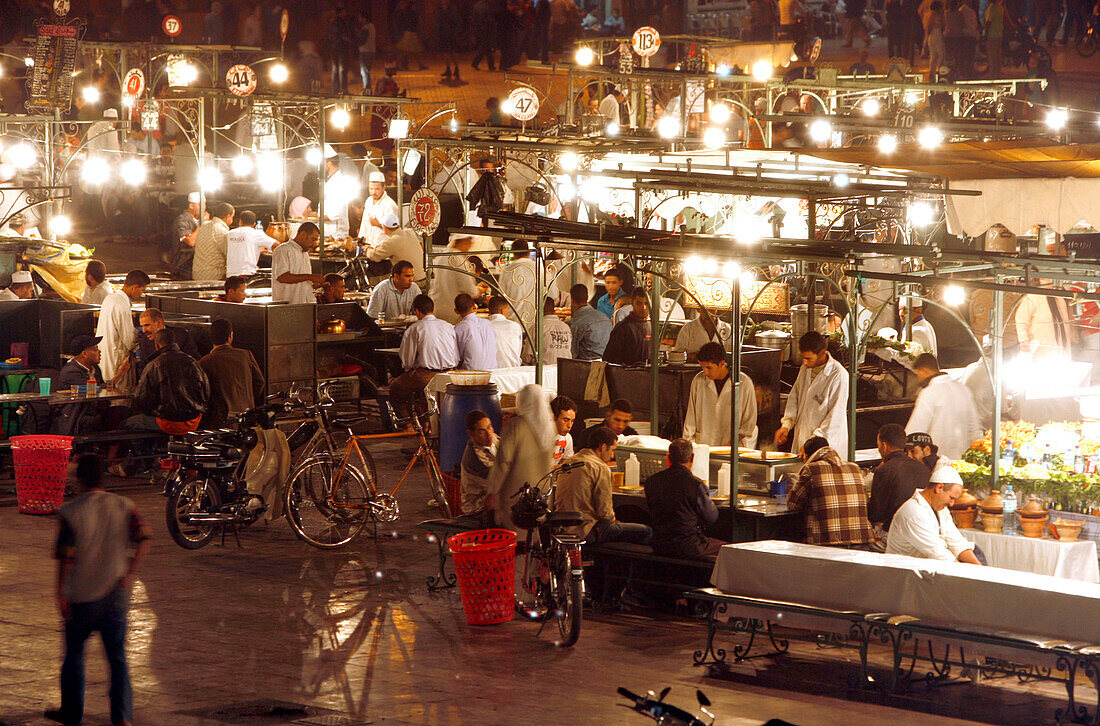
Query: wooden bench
[[991, 653], [621, 562]]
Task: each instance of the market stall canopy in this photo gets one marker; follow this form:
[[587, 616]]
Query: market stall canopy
[[1022, 184]]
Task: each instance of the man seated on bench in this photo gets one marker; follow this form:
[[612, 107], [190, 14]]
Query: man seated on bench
[[830, 491], [923, 527], [681, 507], [171, 397], [618, 417], [587, 489], [477, 460]]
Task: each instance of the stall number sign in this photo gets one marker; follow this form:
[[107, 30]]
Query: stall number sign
[[263, 121], [426, 211], [525, 104], [241, 80], [134, 83], [171, 26], [646, 41], [150, 116]]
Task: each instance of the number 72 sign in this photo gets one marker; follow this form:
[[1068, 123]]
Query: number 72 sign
[[525, 103]]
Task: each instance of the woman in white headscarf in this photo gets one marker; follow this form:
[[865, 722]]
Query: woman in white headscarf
[[524, 453]]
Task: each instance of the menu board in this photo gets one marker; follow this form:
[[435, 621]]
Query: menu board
[[51, 83]]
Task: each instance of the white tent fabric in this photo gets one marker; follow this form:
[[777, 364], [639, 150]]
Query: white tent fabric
[[1020, 204]]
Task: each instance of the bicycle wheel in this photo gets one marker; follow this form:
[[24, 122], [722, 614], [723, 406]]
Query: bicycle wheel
[[435, 482], [326, 503], [1086, 43], [569, 598]]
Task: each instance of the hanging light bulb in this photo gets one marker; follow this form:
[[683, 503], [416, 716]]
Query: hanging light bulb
[[584, 56], [133, 172], [210, 179], [90, 94], [762, 70], [723, 70], [930, 137], [613, 128], [454, 124], [668, 127], [714, 137], [279, 73], [921, 214], [748, 279], [340, 118], [820, 131], [1057, 118], [22, 155], [95, 170], [61, 226], [842, 180], [731, 270], [888, 144], [269, 168], [719, 113], [242, 165], [954, 295], [694, 266], [871, 107], [568, 161], [313, 156], [567, 191]]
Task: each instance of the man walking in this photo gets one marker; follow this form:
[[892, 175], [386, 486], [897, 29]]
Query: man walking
[[100, 544]]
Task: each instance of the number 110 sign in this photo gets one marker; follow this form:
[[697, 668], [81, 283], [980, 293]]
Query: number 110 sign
[[525, 104]]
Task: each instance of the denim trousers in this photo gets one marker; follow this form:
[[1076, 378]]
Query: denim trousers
[[619, 532], [108, 617]]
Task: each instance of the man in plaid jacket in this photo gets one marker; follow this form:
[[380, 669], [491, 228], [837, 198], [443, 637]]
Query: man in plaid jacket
[[830, 491]]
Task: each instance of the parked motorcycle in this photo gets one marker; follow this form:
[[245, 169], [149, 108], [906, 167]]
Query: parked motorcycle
[[224, 480], [666, 714]]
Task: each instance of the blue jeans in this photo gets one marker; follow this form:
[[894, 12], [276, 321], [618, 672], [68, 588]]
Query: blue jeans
[[616, 531], [108, 617]]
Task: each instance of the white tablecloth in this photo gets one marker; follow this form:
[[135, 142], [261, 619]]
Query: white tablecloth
[[507, 380], [1075, 560], [939, 593]]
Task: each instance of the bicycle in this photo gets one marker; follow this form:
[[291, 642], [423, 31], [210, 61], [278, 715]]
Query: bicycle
[[1087, 42], [552, 568], [330, 499]]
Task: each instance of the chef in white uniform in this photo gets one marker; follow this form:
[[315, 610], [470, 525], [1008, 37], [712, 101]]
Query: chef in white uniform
[[922, 329], [817, 403], [945, 409], [707, 420], [375, 209], [453, 281], [340, 190], [699, 331], [116, 323]]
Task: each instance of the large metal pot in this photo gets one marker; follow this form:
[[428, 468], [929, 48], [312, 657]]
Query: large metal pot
[[777, 339], [798, 320]]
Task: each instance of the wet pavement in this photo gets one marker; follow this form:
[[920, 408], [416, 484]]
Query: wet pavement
[[224, 634]]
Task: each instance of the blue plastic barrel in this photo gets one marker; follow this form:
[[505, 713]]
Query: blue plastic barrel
[[457, 402]]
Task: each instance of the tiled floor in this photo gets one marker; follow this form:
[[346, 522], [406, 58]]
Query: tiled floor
[[358, 633]]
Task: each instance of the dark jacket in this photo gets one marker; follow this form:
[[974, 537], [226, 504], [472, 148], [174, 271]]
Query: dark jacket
[[172, 386], [236, 383], [896, 478], [629, 341], [681, 507], [75, 418], [180, 336]]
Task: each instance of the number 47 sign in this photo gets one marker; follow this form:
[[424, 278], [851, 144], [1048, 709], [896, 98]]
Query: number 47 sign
[[525, 104]]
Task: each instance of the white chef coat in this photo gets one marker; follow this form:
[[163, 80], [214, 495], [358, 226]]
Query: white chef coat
[[337, 198], [917, 530], [945, 410], [509, 341], [693, 336], [609, 108], [243, 246], [376, 210], [403, 244], [95, 295], [517, 282], [557, 339], [923, 334], [429, 343], [116, 327], [1035, 327], [976, 378], [477, 343], [386, 298], [290, 257], [448, 284], [817, 407], [707, 420]]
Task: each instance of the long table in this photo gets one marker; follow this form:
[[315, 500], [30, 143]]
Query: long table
[[753, 518], [1043, 556], [948, 594]]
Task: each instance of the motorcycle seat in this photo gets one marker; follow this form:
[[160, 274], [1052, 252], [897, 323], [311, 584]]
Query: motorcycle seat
[[564, 519]]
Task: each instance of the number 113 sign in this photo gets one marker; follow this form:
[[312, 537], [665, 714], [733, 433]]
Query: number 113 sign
[[646, 41]]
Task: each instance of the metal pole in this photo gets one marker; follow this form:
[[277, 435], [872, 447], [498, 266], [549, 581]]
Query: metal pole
[[540, 294], [655, 355], [998, 355], [734, 382], [321, 174], [853, 372]]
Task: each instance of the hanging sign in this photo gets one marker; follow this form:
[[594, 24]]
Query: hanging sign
[[150, 116], [241, 80], [626, 58], [134, 83], [50, 84], [61, 8], [263, 119], [646, 41], [284, 24], [525, 103], [426, 211], [171, 26]]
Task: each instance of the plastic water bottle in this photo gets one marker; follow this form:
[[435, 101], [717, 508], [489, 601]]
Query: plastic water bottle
[[633, 471], [724, 480], [1008, 456], [1009, 510]]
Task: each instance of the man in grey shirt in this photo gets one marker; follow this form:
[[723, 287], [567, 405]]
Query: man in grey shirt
[[394, 297], [101, 542], [590, 327]]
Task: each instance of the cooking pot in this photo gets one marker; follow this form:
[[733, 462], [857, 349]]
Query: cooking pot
[[776, 339]]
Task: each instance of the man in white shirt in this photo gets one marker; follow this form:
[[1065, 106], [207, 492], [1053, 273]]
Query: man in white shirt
[[476, 337], [378, 205], [696, 333], [21, 287], [292, 278], [210, 244], [453, 281], [923, 527], [923, 333], [945, 409], [116, 324], [399, 244], [517, 282], [557, 338], [609, 106], [340, 190], [707, 420], [244, 245], [428, 347], [1044, 325], [509, 334], [818, 401], [96, 286], [394, 297]]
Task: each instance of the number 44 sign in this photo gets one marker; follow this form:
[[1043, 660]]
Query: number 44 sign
[[241, 80], [525, 103]]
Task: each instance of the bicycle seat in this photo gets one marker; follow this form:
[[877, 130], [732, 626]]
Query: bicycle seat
[[564, 519], [347, 421]]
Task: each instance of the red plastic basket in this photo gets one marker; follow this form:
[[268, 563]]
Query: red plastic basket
[[452, 486], [485, 562], [41, 467]]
